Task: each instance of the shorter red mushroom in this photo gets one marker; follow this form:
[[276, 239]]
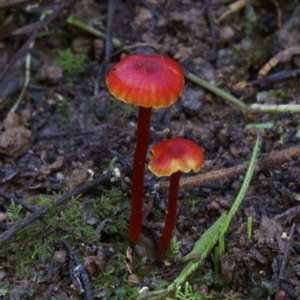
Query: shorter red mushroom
[[170, 158]]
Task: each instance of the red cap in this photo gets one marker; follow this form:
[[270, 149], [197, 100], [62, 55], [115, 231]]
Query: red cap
[[146, 80], [177, 154]]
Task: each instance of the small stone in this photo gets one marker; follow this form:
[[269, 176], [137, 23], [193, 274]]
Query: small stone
[[214, 205], [15, 141], [2, 216], [29, 163], [78, 177], [161, 22], [49, 74], [192, 101], [226, 57], [11, 120], [225, 202], [143, 17], [98, 48], [145, 249], [80, 44], [92, 221], [288, 35], [226, 34], [249, 211], [227, 266], [204, 69], [132, 278], [60, 256]]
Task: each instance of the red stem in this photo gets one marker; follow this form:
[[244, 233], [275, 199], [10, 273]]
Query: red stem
[[171, 215], [137, 189]]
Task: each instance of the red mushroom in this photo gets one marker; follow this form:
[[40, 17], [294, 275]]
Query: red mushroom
[[170, 158], [146, 81]]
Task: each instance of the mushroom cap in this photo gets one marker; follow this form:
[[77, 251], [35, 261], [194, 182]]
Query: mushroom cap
[[146, 80], [177, 154]]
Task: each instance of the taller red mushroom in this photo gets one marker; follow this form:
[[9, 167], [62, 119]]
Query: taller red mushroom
[[145, 81]]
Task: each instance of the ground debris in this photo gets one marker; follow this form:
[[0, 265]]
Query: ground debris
[[15, 141], [266, 232]]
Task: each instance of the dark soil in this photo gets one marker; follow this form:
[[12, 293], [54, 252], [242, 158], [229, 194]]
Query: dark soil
[[68, 130]]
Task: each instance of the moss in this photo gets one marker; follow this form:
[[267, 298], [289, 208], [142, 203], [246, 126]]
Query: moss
[[69, 62]]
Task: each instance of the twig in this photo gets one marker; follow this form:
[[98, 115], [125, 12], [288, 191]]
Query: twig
[[279, 13], [276, 77], [31, 38], [232, 8], [26, 29], [51, 135], [108, 38], [270, 108], [41, 211], [137, 45], [212, 28], [83, 274], [27, 69], [285, 261], [269, 160], [19, 53], [282, 56], [289, 214], [17, 201], [101, 226], [8, 4], [77, 23], [26, 79], [7, 173], [22, 224]]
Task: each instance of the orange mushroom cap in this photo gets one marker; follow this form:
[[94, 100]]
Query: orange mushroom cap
[[146, 80], [177, 154]]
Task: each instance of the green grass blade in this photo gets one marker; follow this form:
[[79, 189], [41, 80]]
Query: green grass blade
[[202, 248], [212, 88], [238, 200]]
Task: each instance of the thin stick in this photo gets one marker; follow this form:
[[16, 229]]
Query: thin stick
[[18, 201], [83, 274], [212, 28], [108, 38], [285, 261], [289, 214], [269, 160], [8, 4], [282, 75], [77, 23], [51, 135], [269, 108], [26, 80], [31, 38], [19, 53]]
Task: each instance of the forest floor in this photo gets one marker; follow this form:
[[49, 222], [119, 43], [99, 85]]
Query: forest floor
[[66, 149]]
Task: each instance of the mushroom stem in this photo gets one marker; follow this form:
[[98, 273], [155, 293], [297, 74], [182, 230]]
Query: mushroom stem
[[137, 189], [171, 215]]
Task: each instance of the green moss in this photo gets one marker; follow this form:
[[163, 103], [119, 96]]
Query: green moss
[[69, 62], [259, 45], [35, 245]]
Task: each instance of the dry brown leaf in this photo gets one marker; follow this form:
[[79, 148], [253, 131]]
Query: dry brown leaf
[[46, 170]]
